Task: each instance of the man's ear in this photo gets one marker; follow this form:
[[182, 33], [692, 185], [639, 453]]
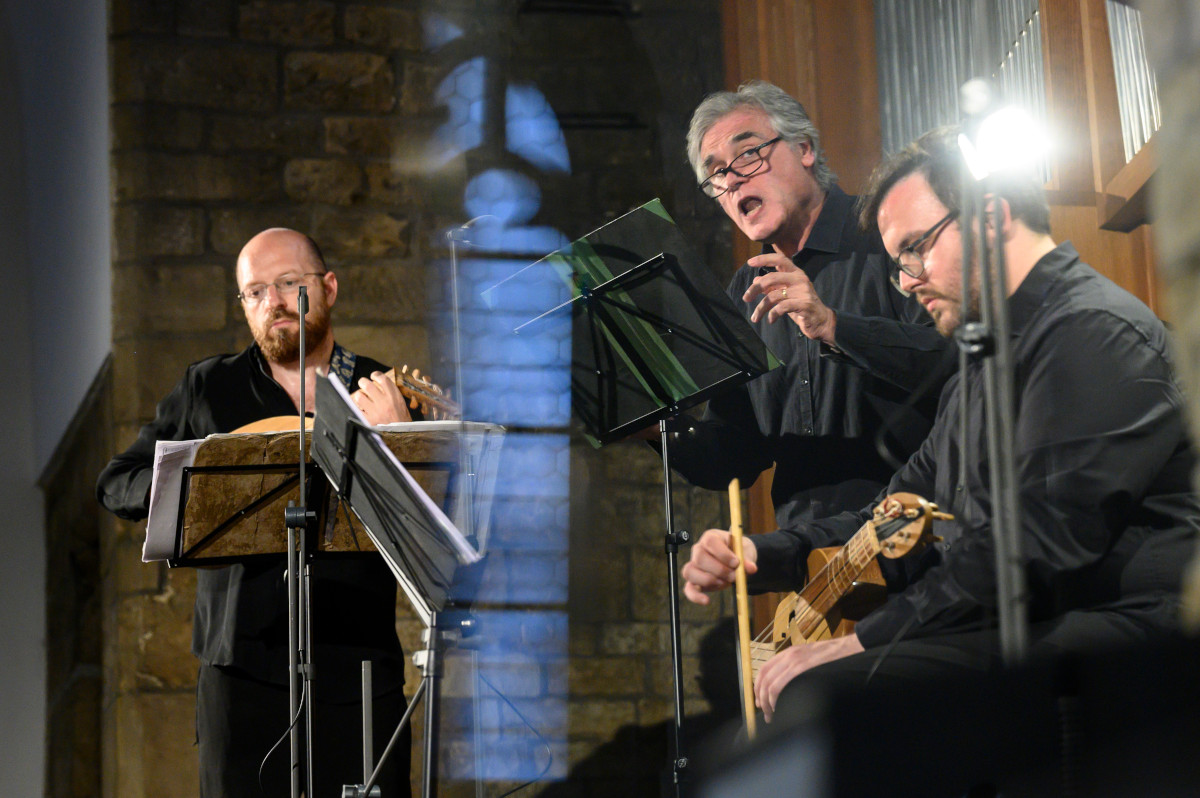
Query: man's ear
[[808, 156], [999, 214], [329, 280]]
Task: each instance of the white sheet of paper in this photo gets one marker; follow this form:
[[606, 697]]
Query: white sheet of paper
[[465, 551], [170, 458]]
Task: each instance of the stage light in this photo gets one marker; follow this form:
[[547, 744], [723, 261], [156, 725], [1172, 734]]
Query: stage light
[[1007, 140]]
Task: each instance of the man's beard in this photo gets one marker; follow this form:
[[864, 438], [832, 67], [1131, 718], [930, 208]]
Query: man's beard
[[951, 317], [282, 345]]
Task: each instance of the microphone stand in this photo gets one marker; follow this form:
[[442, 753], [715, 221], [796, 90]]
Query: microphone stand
[[300, 669]]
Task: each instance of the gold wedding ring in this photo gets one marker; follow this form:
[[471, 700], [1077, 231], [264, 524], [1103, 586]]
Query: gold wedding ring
[[783, 292]]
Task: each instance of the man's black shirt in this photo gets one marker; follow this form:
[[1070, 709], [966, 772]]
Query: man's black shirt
[[1107, 509], [241, 610], [817, 417]]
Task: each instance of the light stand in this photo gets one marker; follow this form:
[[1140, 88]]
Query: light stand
[[988, 341]]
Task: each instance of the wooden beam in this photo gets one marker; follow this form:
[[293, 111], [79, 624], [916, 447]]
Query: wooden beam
[[1104, 112], [1125, 202], [1067, 106], [846, 88]]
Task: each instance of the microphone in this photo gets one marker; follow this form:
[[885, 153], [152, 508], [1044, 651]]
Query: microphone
[[456, 233]]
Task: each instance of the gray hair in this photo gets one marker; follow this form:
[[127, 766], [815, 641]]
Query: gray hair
[[787, 116]]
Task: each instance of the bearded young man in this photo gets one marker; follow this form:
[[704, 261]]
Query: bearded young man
[[240, 624], [1108, 513]]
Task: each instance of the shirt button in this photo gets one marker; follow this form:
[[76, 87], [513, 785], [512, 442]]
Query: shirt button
[[804, 382], [808, 430]]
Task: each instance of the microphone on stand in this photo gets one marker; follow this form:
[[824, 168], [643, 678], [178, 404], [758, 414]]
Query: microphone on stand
[[455, 233]]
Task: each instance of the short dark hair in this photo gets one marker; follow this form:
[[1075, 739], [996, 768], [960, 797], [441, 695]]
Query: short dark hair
[[937, 157]]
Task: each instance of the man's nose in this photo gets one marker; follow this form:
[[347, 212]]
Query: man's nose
[[278, 299], [908, 283], [733, 180]]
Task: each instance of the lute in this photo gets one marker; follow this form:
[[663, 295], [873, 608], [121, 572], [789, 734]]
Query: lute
[[435, 403], [846, 583]]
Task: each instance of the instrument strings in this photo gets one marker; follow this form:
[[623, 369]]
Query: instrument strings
[[837, 569]]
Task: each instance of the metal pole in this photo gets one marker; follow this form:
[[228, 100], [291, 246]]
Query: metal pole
[[293, 660], [680, 762], [1006, 520], [368, 722], [989, 342], [432, 667], [296, 519]]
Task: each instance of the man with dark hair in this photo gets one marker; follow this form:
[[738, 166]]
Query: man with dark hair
[[1108, 514], [933, 156], [854, 348], [240, 631]]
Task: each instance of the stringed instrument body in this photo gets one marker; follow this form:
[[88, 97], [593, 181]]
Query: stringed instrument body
[[419, 391], [846, 583], [867, 591]]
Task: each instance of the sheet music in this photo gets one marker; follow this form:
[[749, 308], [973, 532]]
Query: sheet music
[[463, 549], [170, 458]]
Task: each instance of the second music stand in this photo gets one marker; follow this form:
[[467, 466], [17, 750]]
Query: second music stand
[[420, 544], [653, 334]]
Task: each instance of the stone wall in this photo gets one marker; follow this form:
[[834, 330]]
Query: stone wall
[[73, 598], [339, 118]]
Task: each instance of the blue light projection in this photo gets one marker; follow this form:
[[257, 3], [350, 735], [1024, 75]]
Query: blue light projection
[[533, 131], [462, 94], [439, 31], [523, 382]]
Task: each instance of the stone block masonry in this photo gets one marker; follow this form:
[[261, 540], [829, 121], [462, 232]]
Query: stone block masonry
[[228, 117]]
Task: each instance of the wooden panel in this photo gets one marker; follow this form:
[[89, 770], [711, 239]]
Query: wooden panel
[[823, 53], [1067, 105], [1104, 113], [1090, 184], [847, 89], [1122, 257]]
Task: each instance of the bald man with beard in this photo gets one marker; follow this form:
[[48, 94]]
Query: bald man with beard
[[240, 631]]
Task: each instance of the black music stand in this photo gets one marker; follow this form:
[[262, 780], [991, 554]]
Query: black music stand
[[188, 554], [418, 541], [654, 333]]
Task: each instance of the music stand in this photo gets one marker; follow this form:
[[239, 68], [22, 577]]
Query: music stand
[[420, 544], [654, 333]]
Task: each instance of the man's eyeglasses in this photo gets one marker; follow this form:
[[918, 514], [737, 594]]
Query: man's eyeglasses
[[285, 286], [744, 165], [911, 259]]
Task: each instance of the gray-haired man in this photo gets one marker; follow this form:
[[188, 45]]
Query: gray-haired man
[[822, 298]]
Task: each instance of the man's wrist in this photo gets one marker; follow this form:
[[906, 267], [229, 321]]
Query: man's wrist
[[829, 331]]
